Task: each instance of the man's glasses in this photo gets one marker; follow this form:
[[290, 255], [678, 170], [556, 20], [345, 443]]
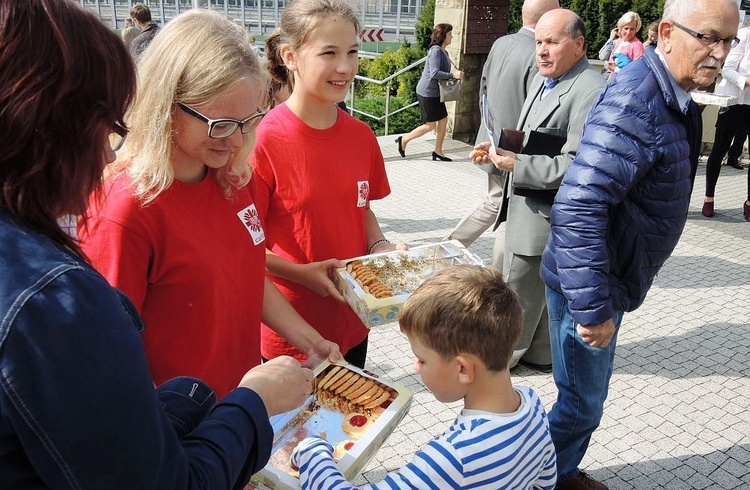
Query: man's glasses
[[710, 41], [117, 137], [224, 128]]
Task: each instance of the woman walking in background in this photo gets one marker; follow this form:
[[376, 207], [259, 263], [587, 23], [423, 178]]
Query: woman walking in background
[[431, 110]]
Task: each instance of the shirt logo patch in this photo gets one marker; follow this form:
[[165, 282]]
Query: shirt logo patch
[[251, 220], [363, 190]]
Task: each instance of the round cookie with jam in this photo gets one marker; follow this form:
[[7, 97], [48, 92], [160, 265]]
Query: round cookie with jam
[[355, 424]]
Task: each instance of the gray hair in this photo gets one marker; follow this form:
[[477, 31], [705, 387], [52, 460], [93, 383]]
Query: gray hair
[[576, 27], [679, 10]]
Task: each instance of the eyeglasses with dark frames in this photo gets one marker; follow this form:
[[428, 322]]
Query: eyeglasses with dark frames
[[117, 136], [224, 128], [710, 41]]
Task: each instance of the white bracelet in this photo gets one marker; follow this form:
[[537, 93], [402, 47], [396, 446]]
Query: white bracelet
[[375, 243]]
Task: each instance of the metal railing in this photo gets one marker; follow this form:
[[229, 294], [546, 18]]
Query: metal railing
[[396, 17], [387, 81]]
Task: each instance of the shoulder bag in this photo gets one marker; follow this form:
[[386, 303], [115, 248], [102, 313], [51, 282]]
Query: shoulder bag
[[450, 89]]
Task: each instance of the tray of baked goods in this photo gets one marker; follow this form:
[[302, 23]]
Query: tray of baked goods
[[351, 408], [377, 285], [709, 98]]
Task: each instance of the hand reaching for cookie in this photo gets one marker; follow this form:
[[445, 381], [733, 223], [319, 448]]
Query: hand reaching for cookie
[[486, 153]]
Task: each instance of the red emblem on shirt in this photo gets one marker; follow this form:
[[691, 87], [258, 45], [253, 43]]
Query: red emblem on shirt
[[250, 218], [363, 191]]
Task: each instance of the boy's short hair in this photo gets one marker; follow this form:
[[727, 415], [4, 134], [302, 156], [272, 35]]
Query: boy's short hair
[[465, 309], [141, 13]]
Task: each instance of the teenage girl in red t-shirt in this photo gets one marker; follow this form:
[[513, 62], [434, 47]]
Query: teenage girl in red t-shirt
[[176, 228], [316, 170]]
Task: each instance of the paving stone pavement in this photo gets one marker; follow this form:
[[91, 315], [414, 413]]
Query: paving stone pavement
[[677, 413]]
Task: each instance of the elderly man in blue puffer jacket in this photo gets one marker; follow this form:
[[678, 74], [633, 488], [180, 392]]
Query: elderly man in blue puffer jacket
[[621, 209]]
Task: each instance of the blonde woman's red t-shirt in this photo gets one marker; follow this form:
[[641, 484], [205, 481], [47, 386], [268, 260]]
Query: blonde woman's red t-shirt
[[193, 263], [312, 187]]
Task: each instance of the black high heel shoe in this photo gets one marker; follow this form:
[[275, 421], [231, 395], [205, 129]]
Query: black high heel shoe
[[400, 148], [435, 156]]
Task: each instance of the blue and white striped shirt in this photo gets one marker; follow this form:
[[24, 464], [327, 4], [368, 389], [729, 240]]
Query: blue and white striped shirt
[[481, 450]]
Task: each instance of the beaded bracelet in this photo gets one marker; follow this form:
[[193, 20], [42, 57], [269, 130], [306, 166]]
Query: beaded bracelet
[[375, 243]]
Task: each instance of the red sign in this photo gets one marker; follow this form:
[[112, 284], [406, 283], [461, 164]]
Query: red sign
[[371, 35]]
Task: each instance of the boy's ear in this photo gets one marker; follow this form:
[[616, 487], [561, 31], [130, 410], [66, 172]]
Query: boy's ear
[[466, 366]]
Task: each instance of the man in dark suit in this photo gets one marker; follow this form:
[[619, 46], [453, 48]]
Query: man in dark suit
[[506, 78], [552, 119]]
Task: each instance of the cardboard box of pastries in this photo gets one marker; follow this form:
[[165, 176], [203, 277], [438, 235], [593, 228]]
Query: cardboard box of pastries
[[708, 98], [351, 408], [377, 285]]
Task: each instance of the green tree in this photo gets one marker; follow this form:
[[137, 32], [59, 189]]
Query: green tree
[[389, 63], [600, 17], [649, 10], [514, 15], [515, 18], [589, 12], [424, 24], [370, 97]]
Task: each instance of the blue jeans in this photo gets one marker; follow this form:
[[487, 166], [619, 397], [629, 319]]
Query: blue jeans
[[582, 375]]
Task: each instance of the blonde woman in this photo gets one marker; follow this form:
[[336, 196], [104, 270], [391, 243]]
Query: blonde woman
[[622, 47], [177, 229]]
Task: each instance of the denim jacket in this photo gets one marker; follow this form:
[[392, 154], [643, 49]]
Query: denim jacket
[[78, 409]]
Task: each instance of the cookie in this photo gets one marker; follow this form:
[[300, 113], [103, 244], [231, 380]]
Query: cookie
[[355, 424]]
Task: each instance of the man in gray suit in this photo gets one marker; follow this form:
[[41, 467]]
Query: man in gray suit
[[552, 119], [506, 78]]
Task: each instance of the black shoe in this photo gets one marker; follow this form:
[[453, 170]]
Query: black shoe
[[734, 164], [400, 148], [542, 368], [435, 156]]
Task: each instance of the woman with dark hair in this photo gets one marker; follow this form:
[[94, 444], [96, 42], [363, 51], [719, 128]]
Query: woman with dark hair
[[431, 110], [78, 407]]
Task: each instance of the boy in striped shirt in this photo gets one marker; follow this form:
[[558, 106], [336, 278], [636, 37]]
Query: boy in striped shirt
[[462, 324]]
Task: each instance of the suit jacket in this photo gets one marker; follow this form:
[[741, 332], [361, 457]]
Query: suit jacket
[[561, 113], [506, 78]]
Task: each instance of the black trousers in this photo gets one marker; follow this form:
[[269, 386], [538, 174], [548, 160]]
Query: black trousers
[[727, 123]]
